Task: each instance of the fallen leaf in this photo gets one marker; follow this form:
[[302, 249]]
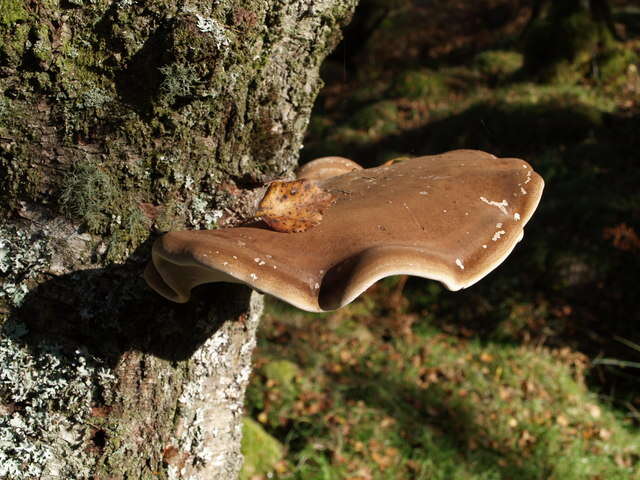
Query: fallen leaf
[[594, 410], [486, 357], [562, 420], [293, 206], [604, 434], [623, 237]]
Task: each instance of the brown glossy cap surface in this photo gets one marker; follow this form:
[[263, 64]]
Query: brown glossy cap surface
[[452, 217], [327, 167]]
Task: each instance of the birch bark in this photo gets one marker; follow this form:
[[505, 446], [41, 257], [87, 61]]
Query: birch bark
[[120, 120]]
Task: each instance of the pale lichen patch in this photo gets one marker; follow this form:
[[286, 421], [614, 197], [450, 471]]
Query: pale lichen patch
[[23, 256], [37, 441]]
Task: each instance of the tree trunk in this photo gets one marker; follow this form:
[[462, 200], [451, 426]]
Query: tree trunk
[[120, 120]]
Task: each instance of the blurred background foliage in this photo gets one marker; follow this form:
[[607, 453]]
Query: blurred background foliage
[[534, 373]]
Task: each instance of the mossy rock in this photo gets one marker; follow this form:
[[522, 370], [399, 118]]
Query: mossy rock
[[261, 451], [498, 65], [414, 84], [380, 116], [283, 372]]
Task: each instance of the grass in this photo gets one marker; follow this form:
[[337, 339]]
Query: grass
[[532, 373], [348, 400]]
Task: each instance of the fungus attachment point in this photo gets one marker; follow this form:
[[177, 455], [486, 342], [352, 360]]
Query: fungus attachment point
[[293, 206], [424, 216], [327, 167]]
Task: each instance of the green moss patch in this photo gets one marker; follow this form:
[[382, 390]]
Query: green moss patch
[[415, 84], [380, 116], [261, 451], [498, 65], [12, 11], [284, 372]]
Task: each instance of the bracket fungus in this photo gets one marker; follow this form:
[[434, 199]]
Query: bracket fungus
[[327, 167], [452, 217]]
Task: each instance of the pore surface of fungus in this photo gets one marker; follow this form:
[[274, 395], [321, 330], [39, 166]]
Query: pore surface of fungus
[[452, 218]]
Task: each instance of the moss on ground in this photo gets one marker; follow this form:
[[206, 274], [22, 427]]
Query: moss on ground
[[261, 451], [563, 46], [379, 117], [498, 65], [415, 84], [283, 373], [427, 404]]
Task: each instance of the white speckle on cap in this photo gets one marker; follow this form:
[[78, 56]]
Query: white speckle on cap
[[262, 263], [225, 263], [497, 235], [254, 276], [256, 259], [501, 205], [484, 246], [516, 217], [459, 263], [498, 225], [523, 191], [424, 193], [234, 257]]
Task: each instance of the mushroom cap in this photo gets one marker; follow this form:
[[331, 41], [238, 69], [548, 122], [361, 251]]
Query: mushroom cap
[[326, 167], [452, 217]]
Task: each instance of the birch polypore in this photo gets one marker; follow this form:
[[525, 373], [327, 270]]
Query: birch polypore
[[452, 218]]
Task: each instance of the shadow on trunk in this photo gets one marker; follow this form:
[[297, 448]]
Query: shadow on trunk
[[110, 311]]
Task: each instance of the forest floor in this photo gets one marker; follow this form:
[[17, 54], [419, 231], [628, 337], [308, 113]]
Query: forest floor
[[534, 373]]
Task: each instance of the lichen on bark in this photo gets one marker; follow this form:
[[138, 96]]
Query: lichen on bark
[[119, 120]]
